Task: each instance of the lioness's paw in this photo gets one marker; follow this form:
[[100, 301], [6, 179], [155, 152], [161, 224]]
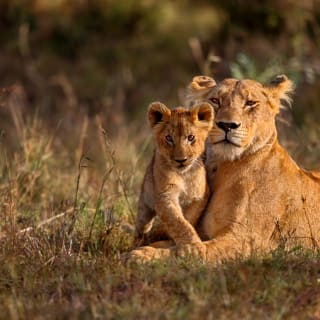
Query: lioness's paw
[[140, 255], [195, 250], [145, 254]]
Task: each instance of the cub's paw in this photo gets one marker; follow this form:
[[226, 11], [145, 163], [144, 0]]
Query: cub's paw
[[194, 250]]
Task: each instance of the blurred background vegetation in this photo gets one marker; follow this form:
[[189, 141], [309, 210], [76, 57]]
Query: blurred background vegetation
[[112, 58]]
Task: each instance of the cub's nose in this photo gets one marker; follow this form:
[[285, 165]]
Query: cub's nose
[[181, 161], [227, 126]]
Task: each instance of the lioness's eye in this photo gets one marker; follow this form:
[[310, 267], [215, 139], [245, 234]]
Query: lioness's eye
[[215, 101], [251, 103], [169, 138], [191, 137]]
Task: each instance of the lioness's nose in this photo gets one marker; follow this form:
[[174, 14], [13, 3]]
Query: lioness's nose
[[227, 126], [181, 160]]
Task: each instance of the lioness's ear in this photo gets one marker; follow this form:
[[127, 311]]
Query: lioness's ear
[[280, 89], [199, 89], [158, 112], [203, 112]]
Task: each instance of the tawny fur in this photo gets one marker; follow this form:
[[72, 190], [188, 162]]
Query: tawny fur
[[174, 186], [261, 198]]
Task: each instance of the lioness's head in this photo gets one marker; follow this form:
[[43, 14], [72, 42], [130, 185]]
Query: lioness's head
[[180, 133], [245, 112]]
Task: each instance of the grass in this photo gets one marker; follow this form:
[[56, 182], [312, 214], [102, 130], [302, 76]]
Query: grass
[[40, 280], [65, 223]]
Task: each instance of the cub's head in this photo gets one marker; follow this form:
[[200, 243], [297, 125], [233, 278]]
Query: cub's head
[[245, 112], [180, 133]]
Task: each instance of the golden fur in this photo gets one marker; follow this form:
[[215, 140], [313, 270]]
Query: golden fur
[[261, 197], [174, 185]]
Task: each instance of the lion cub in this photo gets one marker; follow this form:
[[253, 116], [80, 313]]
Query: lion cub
[[174, 186]]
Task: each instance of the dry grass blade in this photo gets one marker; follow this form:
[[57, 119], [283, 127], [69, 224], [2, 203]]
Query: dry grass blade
[[75, 203], [47, 221], [41, 224], [98, 203], [16, 103], [111, 155]]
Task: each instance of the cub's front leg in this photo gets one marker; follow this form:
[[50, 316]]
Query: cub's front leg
[[168, 208], [147, 230], [144, 222], [146, 212]]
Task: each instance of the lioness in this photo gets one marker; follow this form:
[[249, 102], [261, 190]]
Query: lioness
[[261, 197], [174, 185]]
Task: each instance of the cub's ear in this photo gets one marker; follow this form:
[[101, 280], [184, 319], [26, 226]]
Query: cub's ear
[[280, 89], [199, 89], [157, 113], [203, 113]]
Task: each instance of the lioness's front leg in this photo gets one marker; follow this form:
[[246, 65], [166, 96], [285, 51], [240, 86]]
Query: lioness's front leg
[[162, 244], [193, 212], [179, 229], [164, 250], [233, 244], [147, 254]]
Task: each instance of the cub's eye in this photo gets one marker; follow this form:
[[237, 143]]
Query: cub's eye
[[169, 138], [191, 137], [250, 103], [215, 101]]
